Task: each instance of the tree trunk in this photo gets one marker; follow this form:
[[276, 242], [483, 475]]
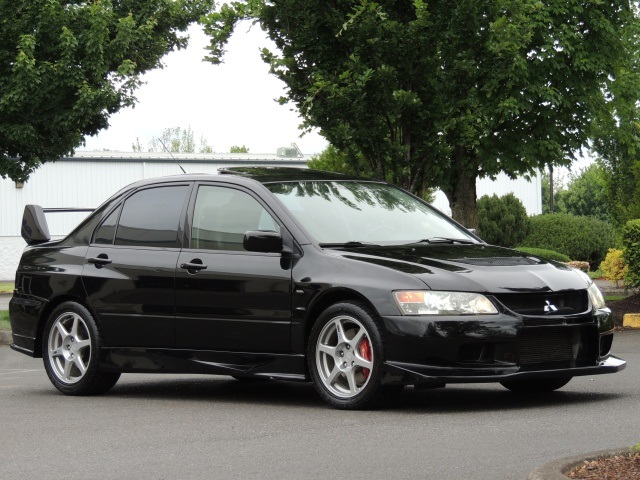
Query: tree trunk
[[461, 192]]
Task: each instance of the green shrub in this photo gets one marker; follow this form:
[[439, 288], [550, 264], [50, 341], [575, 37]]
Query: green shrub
[[502, 220], [631, 251], [581, 238], [613, 266], [548, 254]]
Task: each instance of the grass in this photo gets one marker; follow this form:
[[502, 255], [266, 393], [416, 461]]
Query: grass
[[4, 320], [593, 274], [613, 298], [6, 287]]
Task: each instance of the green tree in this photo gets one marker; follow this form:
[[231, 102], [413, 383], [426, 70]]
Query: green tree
[[333, 160], [616, 136], [175, 140], [585, 194], [440, 93], [237, 149], [66, 66]]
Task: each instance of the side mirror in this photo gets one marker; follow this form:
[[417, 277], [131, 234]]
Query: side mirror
[[266, 241], [34, 227]]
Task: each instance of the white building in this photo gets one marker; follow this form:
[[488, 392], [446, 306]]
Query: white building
[[89, 178]]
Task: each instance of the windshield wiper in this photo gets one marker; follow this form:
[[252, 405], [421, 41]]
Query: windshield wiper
[[446, 240], [348, 245]]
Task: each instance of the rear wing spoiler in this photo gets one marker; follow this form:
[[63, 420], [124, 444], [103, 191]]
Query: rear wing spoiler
[[34, 229]]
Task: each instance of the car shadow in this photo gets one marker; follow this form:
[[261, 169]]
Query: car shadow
[[455, 398]]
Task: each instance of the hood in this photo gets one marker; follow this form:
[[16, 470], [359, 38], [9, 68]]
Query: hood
[[471, 268]]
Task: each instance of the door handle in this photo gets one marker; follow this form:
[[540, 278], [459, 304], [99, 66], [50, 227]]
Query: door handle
[[99, 261], [193, 266]]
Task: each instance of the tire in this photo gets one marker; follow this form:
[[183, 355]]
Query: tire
[[345, 356], [543, 385], [70, 350]]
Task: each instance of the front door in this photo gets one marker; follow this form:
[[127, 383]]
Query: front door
[[227, 298]]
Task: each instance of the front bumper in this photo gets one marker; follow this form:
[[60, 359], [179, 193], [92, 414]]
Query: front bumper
[[398, 372], [496, 348]]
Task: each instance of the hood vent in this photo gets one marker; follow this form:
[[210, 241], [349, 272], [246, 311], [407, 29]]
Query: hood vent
[[498, 261]]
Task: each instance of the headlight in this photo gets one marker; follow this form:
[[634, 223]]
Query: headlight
[[597, 300], [443, 303], [595, 295]]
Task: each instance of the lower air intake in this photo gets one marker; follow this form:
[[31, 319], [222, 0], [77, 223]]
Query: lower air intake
[[546, 346]]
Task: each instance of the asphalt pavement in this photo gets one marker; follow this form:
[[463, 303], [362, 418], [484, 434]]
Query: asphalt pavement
[[212, 427]]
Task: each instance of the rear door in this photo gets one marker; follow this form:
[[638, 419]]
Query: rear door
[[226, 297], [129, 271]]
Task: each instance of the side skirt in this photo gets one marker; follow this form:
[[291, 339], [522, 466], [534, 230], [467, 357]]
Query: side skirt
[[161, 360]]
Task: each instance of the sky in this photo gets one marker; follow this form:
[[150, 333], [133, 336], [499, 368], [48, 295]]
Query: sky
[[229, 104]]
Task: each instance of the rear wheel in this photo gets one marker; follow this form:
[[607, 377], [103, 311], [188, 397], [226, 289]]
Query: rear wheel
[[542, 385], [70, 346], [345, 357]]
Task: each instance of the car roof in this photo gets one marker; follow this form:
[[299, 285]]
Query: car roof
[[284, 174], [257, 174]]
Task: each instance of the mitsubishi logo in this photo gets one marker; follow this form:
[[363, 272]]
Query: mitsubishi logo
[[550, 307]]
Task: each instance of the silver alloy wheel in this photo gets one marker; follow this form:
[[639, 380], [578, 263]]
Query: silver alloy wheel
[[69, 347], [341, 356]]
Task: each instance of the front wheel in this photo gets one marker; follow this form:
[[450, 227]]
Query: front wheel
[[345, 356], [70, 347], [542, 385]]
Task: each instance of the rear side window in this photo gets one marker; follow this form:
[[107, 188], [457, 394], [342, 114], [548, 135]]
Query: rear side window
[[150, 218]]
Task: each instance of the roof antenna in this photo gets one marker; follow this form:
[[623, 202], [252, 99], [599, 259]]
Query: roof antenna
[[169, 152]]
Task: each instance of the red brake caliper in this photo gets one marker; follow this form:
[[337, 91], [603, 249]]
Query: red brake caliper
[[364, 349]]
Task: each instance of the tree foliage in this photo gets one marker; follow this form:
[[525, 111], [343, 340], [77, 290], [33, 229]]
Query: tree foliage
[[584, 195], [238, 149], [616, 135], [441, 93], [175, 140], [66, 66], [631, 252], [502, 220], [333, 160]]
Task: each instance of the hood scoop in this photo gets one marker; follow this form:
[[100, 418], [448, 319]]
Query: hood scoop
[[498, 261]]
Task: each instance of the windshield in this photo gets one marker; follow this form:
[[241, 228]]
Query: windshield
[[367, 212]]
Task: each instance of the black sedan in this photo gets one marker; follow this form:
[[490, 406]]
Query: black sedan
[[290, 274]]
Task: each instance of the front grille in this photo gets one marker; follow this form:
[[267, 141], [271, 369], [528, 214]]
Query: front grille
[[547, 304], [546, 346]]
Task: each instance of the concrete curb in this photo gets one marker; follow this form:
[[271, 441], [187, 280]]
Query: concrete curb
[[5, 337], [556, 469]]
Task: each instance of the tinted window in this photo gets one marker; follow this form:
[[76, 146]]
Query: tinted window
[[339, 212], [223, 215], [106, 231], [151, 217]]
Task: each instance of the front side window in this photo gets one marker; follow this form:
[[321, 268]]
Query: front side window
[[223, 215], [150, 218], [354, 211]]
